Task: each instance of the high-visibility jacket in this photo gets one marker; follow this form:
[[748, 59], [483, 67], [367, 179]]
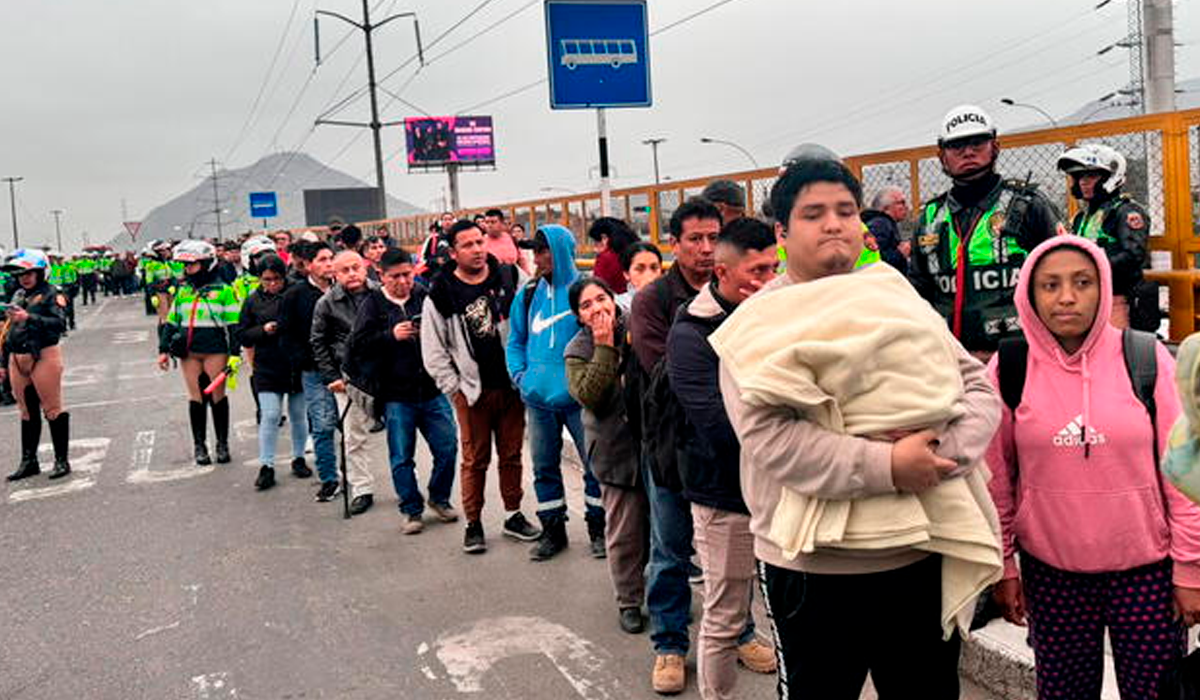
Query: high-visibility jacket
[[970, 278], [209, 315]]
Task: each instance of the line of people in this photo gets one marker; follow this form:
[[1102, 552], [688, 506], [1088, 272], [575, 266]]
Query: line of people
[[825, 426]]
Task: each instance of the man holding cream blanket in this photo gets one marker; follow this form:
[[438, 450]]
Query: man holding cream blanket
[[863, 425]]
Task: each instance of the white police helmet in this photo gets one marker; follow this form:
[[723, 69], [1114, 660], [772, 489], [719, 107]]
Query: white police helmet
[[965, 121], [1095, 157]]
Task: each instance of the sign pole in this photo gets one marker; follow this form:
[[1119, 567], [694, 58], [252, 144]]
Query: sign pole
[[452, 173], [605, 185]]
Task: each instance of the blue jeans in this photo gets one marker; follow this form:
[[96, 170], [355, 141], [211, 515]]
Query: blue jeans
[[271, 406], [322, 422], [546, 443], [435, 420], [668, 593]]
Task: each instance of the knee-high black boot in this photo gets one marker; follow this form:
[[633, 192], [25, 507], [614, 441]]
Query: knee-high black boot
[[31, 435], [60, 435], [199, 419], [220, 411]]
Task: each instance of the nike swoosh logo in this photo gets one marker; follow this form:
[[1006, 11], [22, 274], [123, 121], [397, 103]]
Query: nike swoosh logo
[[540, 324]]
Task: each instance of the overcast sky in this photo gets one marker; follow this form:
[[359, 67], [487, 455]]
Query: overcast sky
[[128, 99]]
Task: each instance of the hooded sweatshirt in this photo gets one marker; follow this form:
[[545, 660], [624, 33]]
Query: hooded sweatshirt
[[536, 340], [1074, 478]]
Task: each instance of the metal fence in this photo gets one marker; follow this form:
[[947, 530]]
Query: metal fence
[[1163, 151]]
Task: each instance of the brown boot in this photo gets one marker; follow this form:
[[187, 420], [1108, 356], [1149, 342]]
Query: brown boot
[[757, 657], [670, 674]]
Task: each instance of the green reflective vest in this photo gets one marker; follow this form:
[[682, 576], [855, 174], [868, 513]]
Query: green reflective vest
[[986, 246], [244, 286], [1092, 227], [86, 266], [214, 306]]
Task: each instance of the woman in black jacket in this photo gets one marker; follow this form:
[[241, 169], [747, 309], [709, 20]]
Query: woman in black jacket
[[30, 330], [275, 376]]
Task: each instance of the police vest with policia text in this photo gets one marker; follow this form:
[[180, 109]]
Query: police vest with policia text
[[993, 259]]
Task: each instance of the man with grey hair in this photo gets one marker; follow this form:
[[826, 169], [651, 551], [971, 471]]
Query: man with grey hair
[[888, 207]]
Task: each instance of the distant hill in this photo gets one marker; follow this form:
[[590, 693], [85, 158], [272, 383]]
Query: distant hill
[[288, 174]]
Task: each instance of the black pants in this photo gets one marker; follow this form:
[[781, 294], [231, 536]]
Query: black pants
[[831, 630], [87, 284]]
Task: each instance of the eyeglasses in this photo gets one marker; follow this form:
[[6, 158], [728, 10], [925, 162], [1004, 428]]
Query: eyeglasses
[[968, 142]]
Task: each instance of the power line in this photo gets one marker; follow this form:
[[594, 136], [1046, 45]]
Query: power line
[[525, 88], [250, 118]]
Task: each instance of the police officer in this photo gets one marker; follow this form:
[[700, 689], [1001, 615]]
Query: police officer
[[247, 281], [1119, 225], [33, 324], [971, 241], [157, 278], [86, 265], [201, 332]]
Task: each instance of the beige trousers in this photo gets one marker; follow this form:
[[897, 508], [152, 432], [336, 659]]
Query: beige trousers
[[358, 465], [726, 548]]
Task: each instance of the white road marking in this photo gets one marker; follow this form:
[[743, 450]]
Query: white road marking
[[130, 337], [83, 468], [82, 375], [469, 653], [213, 685], [155, 630], [110, 402], [143, 453]]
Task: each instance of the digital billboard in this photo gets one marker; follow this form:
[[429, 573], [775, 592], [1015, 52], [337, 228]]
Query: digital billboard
[[439, 141]]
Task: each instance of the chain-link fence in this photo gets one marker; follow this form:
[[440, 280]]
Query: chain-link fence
[[1194, 168], [882, 176]]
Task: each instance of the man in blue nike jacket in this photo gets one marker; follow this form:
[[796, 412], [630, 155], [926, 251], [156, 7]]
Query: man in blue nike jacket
[[540, 326]]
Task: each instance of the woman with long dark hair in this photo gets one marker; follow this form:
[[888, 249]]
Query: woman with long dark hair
[[612, 236], [597, 359], [276, 378]]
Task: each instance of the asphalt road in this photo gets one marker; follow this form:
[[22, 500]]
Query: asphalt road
[[144, 576]]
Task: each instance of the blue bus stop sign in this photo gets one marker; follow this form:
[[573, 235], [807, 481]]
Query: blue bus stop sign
[[599, 53], [263, 205]]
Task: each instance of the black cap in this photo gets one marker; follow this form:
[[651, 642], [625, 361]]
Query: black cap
[[539, 241], [725, 192]]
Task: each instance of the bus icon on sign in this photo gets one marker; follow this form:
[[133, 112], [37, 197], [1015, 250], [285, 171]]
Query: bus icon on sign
[[598, 52]]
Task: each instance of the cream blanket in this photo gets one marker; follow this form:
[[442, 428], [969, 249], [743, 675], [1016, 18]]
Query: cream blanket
[[863, 354]]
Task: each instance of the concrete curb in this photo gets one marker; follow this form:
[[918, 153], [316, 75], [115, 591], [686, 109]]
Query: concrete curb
[[997, 658]]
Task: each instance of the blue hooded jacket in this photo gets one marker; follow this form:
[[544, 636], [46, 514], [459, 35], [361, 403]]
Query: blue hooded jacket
[[536, 341]]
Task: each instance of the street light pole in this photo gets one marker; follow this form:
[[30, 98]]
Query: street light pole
[[57, 227], [374, 125], [12, 203], [653, 144], [1044, 113], [731, 144]]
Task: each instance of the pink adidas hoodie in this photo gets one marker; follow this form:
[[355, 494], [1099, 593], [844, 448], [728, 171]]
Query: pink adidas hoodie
[[1074, 478]]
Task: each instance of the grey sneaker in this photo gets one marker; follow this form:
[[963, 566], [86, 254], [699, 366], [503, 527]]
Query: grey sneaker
[[412, 524], [444, 512]]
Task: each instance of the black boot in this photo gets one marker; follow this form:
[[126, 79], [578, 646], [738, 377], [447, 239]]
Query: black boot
[[31, 435], [596, 535], [60, 435], [552, 541], [199, 420], [220, 411]]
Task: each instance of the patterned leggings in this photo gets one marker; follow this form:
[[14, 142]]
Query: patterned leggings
[[1068, 613]]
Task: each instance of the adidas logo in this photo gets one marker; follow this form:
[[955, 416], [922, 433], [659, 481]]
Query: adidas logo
[[1072, 435]]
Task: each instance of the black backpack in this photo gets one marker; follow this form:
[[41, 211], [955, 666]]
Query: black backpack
[[663, 422], [1141, 364]]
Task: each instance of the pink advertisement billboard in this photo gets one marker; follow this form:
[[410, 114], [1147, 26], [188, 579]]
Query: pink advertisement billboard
[[438, 141]]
